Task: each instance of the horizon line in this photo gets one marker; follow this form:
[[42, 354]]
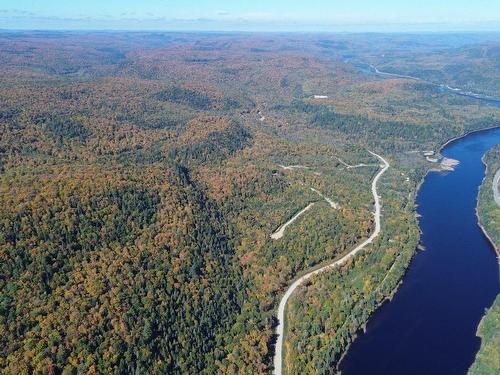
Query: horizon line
[[262, 31]]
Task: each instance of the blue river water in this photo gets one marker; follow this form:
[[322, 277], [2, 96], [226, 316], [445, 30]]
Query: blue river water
[[430, 325]]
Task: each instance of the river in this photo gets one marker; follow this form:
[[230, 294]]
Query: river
[[371, 69], [430, 325]]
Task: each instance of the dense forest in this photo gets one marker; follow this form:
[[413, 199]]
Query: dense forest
[[142, 174]]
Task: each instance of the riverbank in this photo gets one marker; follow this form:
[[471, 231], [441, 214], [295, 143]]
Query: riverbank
[[458, 137], [496, 245], [488, 358]]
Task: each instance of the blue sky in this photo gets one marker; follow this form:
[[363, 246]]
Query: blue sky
[[254, 15]]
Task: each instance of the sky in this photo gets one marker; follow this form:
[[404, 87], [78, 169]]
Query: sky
[[253, 15]]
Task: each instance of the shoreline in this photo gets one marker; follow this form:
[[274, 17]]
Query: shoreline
[[485, 232], [447, 143], [451, 140], [479, 224], [440, 149]]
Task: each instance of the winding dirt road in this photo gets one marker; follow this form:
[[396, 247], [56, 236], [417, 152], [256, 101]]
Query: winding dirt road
[[278, 355], [281, 230], [291, 167], [332, 204], [355, 166]]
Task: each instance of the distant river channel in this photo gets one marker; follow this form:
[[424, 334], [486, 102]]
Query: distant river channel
[[430, 325]]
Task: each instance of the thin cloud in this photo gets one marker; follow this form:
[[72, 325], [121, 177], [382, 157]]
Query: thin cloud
[[17, 12]]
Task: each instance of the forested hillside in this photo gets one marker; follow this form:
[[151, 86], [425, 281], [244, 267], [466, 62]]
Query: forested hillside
[[142, 175]]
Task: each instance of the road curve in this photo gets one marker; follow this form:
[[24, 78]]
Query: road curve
[[496, 183], [278, 354]]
